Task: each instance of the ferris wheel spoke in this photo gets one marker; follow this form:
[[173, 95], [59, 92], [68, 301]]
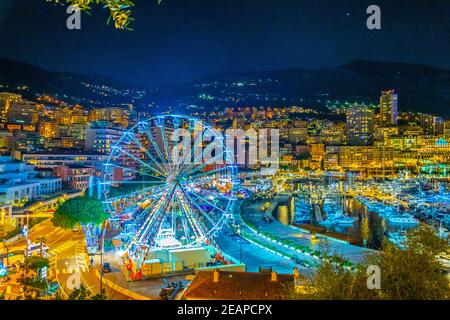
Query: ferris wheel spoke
[[190, 166], [155, 208], [197, 144], [140, 161], [135, 171], [164, 139], [127, 195], [184, 224], [155, 145], [202, 166], [197, 196], [161, 170], [132, 182], [147, 228], [213, 194], [154, 228], [154, 231], [141, 230], [214, 225], [162, 203], [201, 210], [198, 232], [206, 173], [184, 161]]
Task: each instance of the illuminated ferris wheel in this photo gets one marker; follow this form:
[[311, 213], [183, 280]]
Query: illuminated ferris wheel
[[165, 189]]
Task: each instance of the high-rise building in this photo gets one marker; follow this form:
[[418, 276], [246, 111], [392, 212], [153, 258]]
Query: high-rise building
[[23, 112], [75, 177], [25, 141], [360, 157], [359, 125], [388, 108], [334, 134], [298, 132], [76, 131], [115, 115], [447, 128], [382, 133], [54, 159], [6, 99], [5, 142], [20, 184], [48, 128], [317, 155], [101, 137], [331, 158], [431, 125]]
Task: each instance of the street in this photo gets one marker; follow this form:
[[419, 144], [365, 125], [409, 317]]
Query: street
[[67, 256]]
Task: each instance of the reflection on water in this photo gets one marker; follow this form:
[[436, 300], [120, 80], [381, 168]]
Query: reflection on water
[[284, 215], [368, 230], [285, 212]]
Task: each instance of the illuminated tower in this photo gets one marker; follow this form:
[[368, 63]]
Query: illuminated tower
[[388, 108], [359, 125]]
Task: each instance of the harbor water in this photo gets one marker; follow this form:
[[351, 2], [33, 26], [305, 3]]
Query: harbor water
[[368, 230]]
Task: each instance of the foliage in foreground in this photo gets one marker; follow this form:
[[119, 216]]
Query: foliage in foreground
[[411, 274], [35, 263], [11, 233], [83, 293], [119, 10], [81, 210], [33, 283]]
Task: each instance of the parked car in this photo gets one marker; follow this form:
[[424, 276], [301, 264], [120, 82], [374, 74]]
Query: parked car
[[166, 292], [106, 267]]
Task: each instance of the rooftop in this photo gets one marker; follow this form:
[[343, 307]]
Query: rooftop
[[240, 286], [66, 152]]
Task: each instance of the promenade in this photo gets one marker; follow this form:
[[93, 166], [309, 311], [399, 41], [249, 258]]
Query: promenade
[[253, 214]]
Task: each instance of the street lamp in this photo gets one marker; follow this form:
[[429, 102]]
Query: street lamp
[[102, 233], [101, 264], [240, 241], [25, 233], [7, 252]]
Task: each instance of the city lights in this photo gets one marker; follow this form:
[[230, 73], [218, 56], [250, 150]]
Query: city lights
[[235, 151]]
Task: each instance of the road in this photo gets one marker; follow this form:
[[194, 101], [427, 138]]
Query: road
[[68, 259], [253, 213], [254, 256]]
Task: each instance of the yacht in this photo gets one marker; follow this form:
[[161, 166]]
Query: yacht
[[406, 220], [338, 219], [397, 238], [327, 223], [346, 220]]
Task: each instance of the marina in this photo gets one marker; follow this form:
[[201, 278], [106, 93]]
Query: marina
[[378, 211]]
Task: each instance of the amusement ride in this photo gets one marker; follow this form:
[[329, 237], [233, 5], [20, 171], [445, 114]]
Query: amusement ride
[[169, 184]]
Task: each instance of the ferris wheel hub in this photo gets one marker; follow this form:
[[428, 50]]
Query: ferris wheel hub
[[171, 179]]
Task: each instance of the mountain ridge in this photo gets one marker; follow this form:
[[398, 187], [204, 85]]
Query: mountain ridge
[[421, 88], [71, 86]]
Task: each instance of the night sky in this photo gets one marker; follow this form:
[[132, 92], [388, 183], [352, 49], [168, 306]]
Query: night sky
[[180, 40]]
